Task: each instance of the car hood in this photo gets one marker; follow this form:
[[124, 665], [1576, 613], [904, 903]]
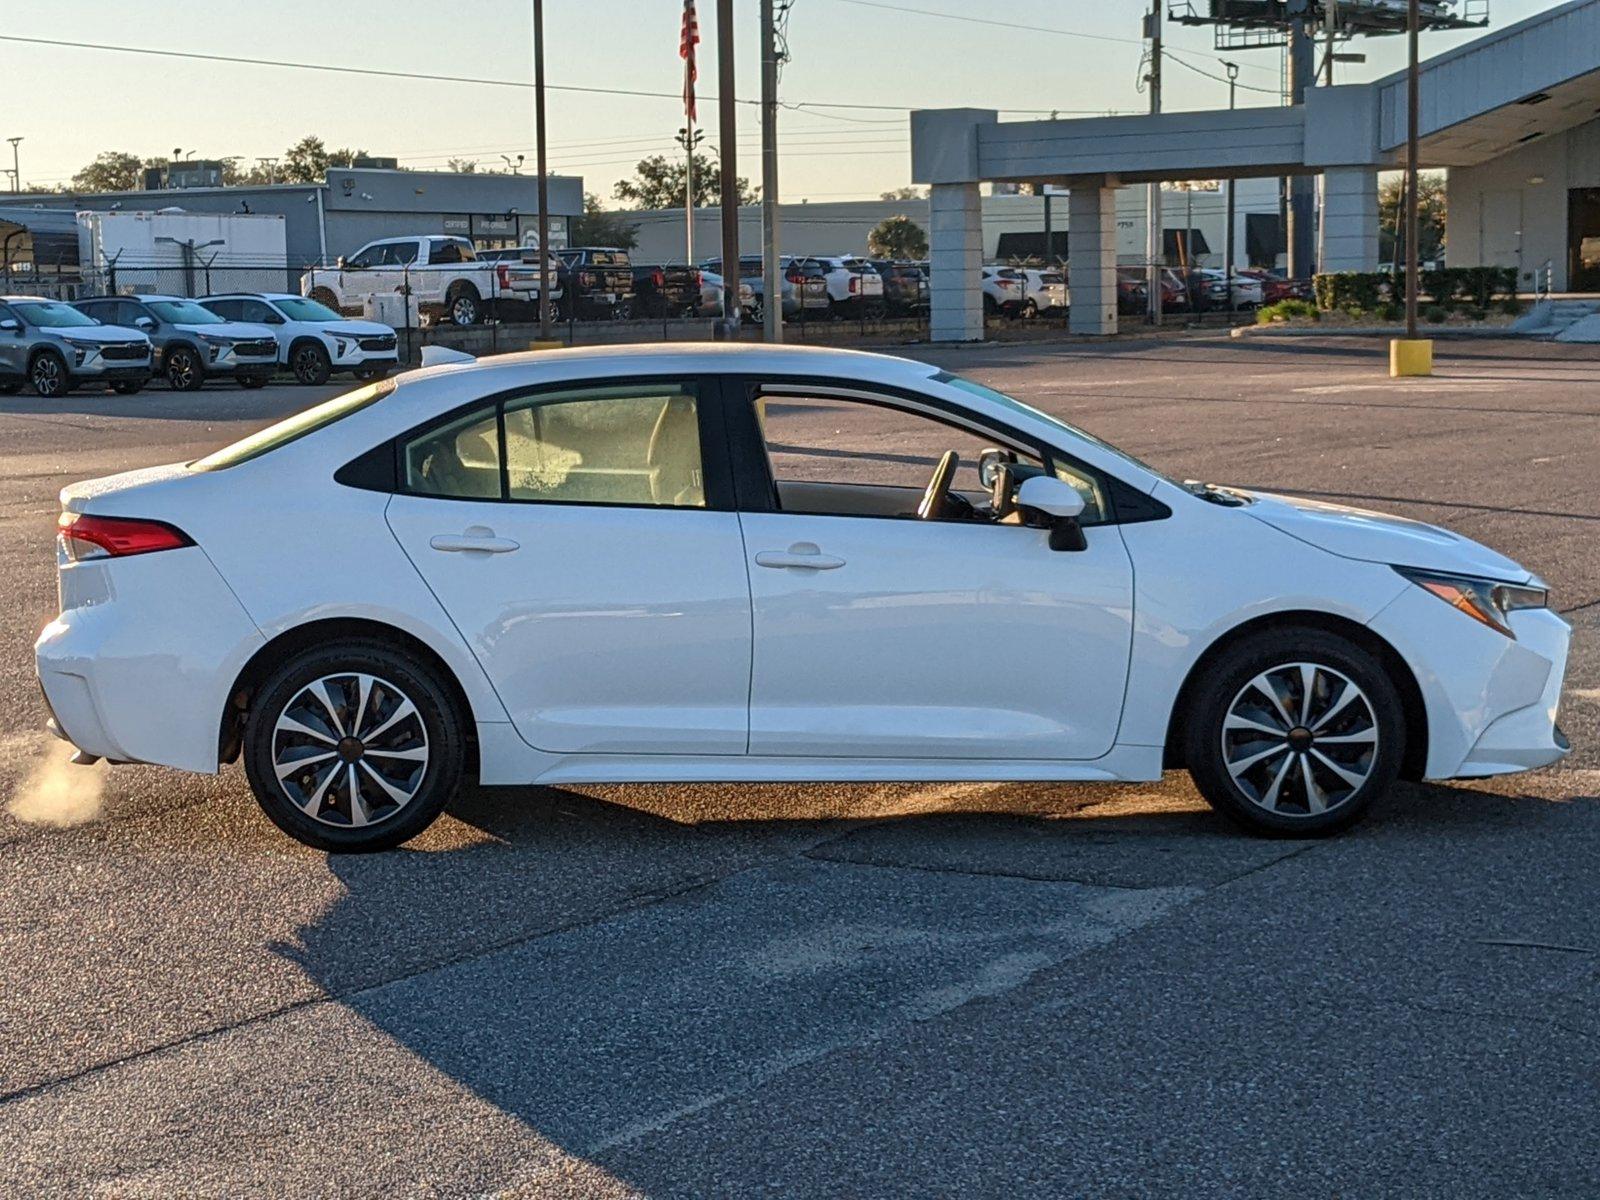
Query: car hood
[[1379, 537], [99, 333], [230, 329], [354, 328]]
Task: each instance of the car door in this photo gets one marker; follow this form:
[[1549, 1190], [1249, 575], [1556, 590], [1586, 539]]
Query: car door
[[881, 635], [13, 345], [586, 546]]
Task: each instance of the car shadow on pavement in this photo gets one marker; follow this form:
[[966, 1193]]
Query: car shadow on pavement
[[600, 971]]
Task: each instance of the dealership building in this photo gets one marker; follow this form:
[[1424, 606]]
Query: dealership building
[[1512, 117]]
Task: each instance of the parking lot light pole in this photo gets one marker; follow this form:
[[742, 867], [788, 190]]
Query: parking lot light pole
[[544, 175], [16, 167], [729, 128], [1232, 184], [1412, 355], [771, 281]]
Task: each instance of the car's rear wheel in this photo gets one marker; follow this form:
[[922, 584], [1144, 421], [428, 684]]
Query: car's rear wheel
[[309, 362], [184, 370], [354, 747], [251, 382], [325, 297], [1294, 732], [464, 306], [368, 374], [128, 387], [10, 387]]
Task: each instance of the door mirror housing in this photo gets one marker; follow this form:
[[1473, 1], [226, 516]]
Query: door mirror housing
[[11, 325], [1060, 504], [339, 262], [989, 462], [143, 323]]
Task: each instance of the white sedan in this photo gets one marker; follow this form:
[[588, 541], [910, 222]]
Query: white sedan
[[728, 563]]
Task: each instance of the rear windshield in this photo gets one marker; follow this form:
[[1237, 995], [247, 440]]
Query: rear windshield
[[292, 428]]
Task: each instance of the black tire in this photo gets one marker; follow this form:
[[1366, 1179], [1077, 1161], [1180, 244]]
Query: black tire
[[368, 374], [436, 716], [1229, 680], [990, 307], [325, 297], [251, 382], [48, 375], [10, 387], [464, 305], [309, 362], [184, 370], [128, 387]]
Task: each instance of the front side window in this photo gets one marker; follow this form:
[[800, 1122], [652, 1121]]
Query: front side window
[[634, 444], [367, 256], [184, 312], [297, 308], [228, 310]]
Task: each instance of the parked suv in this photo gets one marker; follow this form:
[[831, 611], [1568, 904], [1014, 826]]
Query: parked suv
[[313, 340], [905, 287], [56, 348], [191, 343], [852, 283]]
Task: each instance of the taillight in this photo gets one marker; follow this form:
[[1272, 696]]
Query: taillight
[[699, 279], [585, 278], [855, 283], [659, 278], [504, 272], [84, 536]]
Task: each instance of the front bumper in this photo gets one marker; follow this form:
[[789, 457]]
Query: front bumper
[[1491, 701]]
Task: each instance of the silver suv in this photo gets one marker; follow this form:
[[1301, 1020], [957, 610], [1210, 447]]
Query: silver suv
[[192, 343], [56, 348]]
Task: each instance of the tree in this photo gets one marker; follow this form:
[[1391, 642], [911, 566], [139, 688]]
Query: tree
[[308, 160], [904, 193], [112, 171], [463, 166], [1430, 216], [598, 227], [898, 238], [658, 183]]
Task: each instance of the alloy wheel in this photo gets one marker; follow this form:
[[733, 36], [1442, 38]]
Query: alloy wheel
[[1300, 739], [47, 375], [306, 365], [464, 311], [180, 371], [350, 750]]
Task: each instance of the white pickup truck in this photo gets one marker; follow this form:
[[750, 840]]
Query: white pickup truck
[[444, 274]]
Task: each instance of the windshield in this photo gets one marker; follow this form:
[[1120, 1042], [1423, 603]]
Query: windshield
[[184, 312], [1015, 405], [44, 314], [293, 428], [299, 309]]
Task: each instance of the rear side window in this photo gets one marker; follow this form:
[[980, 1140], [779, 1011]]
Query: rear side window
[[293, 428], [458, 459]]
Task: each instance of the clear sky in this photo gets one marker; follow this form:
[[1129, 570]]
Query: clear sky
[[71, 103]]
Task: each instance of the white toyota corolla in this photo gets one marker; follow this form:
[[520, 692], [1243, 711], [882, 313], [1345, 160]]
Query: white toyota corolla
[[726, 563]]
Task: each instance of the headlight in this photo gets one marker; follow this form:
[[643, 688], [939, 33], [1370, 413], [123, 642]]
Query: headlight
[[1485, 600], [212, 340]]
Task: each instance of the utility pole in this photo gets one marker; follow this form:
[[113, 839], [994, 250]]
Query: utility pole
[[270, 164], [1302, 188], [16, 167], [1152, 238], [771, 280], [1412, 223], [1228, 263], [728, 126], [544, 175]]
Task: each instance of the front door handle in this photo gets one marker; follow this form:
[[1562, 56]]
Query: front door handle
[[803, 555], [466, 543]]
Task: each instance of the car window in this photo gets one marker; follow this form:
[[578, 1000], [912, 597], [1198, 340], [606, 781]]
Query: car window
[[256, 310], [828, 440], [297, 308], [444, 252], [400, 254], [184, 312], [634, 444], [229, 310], [368, 256], [126, 312], [461, 459], [293, 428], [98, 309], [49, 314]]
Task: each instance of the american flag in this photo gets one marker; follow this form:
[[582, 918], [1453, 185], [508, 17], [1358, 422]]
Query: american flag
[[686, 44]]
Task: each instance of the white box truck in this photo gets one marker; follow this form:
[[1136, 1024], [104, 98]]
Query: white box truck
[[173, 251]]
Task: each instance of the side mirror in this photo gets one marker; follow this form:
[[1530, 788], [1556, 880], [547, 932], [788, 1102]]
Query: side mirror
[[989, 461], [143, 323], [11, 325], [1061, 504], [339, 262]]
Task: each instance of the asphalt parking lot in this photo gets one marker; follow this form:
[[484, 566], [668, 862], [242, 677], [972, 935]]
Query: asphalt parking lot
[[968, 990]]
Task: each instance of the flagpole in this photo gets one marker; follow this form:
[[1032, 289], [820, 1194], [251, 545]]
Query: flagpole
[[688, 39], [688, 193]]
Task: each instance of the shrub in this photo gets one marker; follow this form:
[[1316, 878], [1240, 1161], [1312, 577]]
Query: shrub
[[1285, 310], [1371, 290], [1435, 314]]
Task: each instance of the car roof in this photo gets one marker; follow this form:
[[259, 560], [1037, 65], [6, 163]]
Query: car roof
[[44, 299], [252, 296]]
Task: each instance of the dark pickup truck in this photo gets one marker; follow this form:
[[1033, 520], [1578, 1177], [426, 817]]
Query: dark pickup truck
[[601, 280], [666, 291]]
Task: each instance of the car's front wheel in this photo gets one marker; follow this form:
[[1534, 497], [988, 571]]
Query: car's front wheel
[[48, 375], [1295, 732], [309, 362], [354, 747], [184, 370]]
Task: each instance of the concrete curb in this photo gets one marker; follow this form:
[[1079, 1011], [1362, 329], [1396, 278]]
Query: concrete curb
[[1435, 332]]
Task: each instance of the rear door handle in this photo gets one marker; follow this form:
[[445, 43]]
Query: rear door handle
[[461, 543], [803, 555]]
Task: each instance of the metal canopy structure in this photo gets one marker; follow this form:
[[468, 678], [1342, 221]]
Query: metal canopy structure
[[1248, 24]]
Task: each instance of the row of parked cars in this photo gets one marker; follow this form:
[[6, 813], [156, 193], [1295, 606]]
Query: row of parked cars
[[123, 342]]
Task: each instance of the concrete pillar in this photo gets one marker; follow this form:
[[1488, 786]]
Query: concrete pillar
[[955, 263], [1350, 219], [1092, 259]]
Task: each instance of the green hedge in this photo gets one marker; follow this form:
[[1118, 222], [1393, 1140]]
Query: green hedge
[[1372, 290]]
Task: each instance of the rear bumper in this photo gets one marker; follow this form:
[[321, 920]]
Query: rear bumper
[[138, 665]]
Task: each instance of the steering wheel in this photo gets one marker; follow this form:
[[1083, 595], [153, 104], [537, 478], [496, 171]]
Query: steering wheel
[[935, 501]]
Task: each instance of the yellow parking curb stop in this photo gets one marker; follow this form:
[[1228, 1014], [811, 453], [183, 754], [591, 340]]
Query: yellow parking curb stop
[[1410, 357]]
